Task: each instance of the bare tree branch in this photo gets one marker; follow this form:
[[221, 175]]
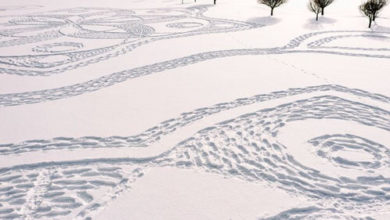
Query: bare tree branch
[[371, 8], [272, 4], [314, 8], [322, 4]]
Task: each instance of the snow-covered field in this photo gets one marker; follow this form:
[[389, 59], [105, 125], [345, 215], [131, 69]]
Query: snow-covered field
[[153, 109]]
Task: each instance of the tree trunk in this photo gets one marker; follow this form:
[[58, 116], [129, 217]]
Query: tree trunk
[[373, 17], [322, 11], [215, 2], [317, 15], [272, 11], [369, 24]]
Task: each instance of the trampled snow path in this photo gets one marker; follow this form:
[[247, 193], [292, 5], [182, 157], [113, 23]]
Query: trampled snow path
[[70, 177], [69, 23], [246, 147], [114, 78]]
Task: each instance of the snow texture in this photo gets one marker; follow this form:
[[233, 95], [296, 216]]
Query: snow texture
[[162, 110]]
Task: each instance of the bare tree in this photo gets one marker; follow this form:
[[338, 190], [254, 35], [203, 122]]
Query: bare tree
[[371, 8], [322, 4], [272, 4], [182, 1], [314, 8]]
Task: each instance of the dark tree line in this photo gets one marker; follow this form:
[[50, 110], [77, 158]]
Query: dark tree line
[[371, 8]]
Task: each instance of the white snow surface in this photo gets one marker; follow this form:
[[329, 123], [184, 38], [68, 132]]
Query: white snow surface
[[158, 109]]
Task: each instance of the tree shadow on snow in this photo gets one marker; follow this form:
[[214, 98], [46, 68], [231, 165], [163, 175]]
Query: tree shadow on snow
[[312, 24], [380, 28], [267, 21]]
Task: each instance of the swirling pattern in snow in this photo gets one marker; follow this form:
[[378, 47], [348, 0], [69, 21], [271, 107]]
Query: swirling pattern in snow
[[245, 147], [328, 146]]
